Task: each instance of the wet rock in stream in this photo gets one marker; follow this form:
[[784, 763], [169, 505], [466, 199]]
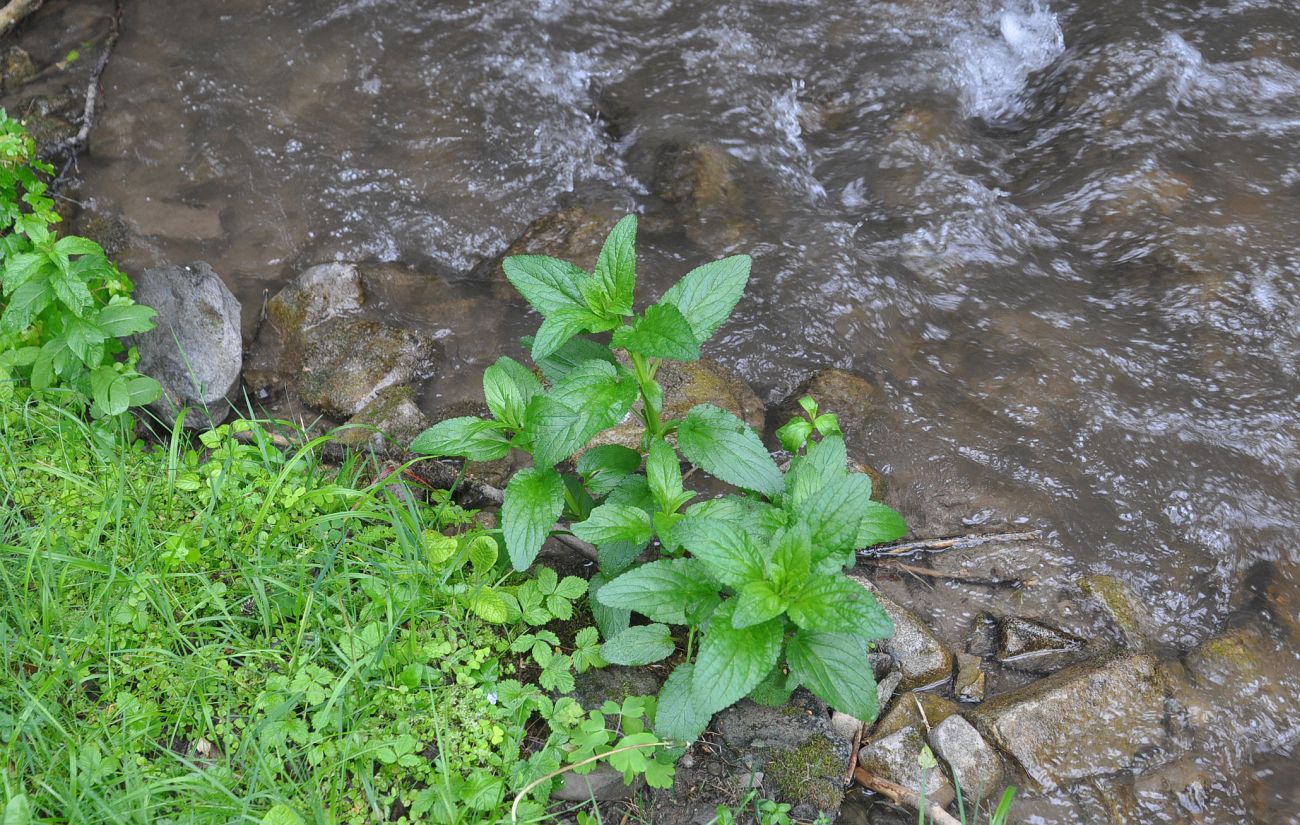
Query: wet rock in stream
[[391, 415], [344, 360], [896, 757], [974, 764], [698, 179], [347, 362], [575, 234], [194, 349], [1035, 646], [1092, 718]]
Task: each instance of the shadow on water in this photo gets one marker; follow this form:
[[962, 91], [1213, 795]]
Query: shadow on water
[[1060, 237]]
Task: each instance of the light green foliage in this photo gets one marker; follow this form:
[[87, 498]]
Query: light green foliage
[[218, 631], [756, 579], [63, 305]]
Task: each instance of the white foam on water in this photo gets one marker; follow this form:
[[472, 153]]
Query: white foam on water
[[991, 70]]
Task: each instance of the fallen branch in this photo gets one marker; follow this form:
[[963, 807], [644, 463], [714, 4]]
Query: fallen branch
[[888, 564], [76, 144], [949, 543], [903, 796], [14, 11]]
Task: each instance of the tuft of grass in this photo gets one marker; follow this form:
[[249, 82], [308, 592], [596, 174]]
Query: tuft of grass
[[218, 631]]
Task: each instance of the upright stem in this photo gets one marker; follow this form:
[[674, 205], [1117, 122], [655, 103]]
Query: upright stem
[[645, 373]]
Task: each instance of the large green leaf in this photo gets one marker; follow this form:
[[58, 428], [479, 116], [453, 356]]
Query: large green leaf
[[668, 590], [835, 512], [120, 320], [508, 386], [549, 284], [663, 332], [616, 266], [591, 398], [726, 448], [560, 326], [678, 715], [756, 603], [664, 475], [640, 645], [732, 661], [728, 552], [706, 295], [610, 620], [879, 525], [615, 523], [834, 666], [473, 438], [834, 603], [26, 302], [605, 466], [534, 500], [577, 351]]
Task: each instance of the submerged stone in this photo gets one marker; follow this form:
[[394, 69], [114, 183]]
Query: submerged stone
[[391, 417], [974, 764], [1035, 646], [348, 361], [318, 294], [971, 682], [194, 350], [1089, 719]]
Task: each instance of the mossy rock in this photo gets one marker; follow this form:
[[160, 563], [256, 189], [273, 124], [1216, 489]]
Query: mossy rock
[[806, 777]]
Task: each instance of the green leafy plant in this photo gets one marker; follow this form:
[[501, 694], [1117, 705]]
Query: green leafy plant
[[747, 590], [63, 304]]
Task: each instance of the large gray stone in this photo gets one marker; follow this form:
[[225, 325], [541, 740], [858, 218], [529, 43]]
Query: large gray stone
[[896, 757], [195, 349], [348, 361], [924, 660], [318, 294], [1089, 719], [973, 763]]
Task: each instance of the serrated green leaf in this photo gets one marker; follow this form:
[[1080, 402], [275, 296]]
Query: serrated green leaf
[[614, 523], [835, 603], [508, 386], [577, 351], [834, 513], [74, 245], [26, 302], [549, 284], [757, 602], [731, 660], [668, 590], [560, 326], [794, 434], [879, 525], [679, 717], [610, 620], [706, 295], [834, 666], [791, 559], [726, 448], [605, 466], [476, 439], [640, 645], [664, 475], [21, 268], [483, 553], [663, 332], [591, 398], [729, 554], [616, 266], [534, 500], [774, 690]]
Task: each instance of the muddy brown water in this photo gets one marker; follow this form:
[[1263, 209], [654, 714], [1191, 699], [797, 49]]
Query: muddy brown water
[[1062, 237]]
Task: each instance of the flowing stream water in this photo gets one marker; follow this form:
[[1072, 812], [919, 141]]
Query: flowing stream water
[[1061, 236]]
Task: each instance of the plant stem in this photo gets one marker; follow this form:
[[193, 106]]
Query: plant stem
[[650, 405]]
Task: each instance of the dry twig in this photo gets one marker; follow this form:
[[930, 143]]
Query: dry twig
[[14, 11], [903, 796], [958, 577], [76, 144], [949, 543]]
